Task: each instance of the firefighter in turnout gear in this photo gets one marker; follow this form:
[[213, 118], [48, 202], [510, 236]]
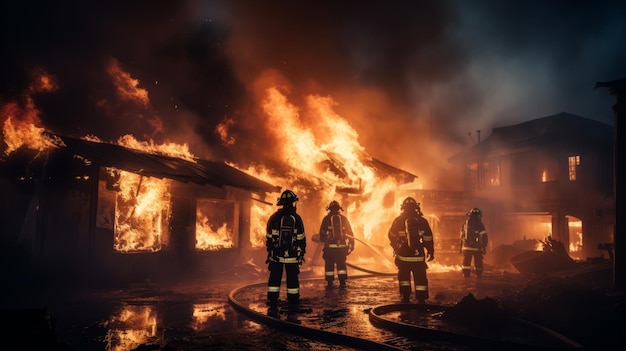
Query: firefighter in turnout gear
[[286, 246], [411, 238], [473, 243], [338, 238]]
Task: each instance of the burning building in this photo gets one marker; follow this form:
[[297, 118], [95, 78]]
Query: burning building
[[89, 206], [85, 207], [136, 207], [551, 176]]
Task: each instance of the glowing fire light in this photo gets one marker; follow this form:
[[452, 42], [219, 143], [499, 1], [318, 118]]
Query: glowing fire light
[[168, 149], [17, 134], [131, 327], [213, 225], [206, 312], [21, 124], [127, 87], [142, 208], [321, 147], [143, 204], [308, 148]]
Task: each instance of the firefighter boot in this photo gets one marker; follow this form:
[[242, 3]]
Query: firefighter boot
[[405, 298], [272, 311]]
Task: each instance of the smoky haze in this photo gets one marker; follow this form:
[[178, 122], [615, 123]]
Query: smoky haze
[[412, 78]]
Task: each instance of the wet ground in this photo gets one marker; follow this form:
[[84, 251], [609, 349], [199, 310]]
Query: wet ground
[[195, 314]]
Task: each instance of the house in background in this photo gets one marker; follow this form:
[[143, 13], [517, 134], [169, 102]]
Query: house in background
[[551, 176]]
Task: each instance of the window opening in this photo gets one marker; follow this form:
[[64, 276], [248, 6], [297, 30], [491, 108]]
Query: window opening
[[574, 162]]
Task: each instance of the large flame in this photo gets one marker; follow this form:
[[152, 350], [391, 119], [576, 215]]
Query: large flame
[[143, 204], [314, 148], [21, 126], [141, 212], [317, 144]]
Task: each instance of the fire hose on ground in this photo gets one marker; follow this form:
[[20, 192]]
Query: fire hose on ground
[[382, 317]]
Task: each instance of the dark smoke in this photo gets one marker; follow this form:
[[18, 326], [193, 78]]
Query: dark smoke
[[407, 75]]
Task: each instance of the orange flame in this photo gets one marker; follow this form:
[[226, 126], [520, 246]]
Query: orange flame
[[213, 228], [308, 148], [127, 87], [222, 131], [42, 81], [133, 326], [141, 213], [21, 126], [168, 149]]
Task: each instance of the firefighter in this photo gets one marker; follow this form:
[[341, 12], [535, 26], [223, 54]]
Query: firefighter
[[338, 238], [411, 238], [286, 245], [473, 243]]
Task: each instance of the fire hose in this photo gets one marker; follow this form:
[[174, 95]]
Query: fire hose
[[378, 253], [316, 239]]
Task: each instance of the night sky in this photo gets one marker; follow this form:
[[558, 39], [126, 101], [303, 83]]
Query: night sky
[[406, 75]]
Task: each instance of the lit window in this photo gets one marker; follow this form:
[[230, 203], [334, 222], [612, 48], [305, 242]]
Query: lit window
[[573, 162], [484, 174], [494, 174]]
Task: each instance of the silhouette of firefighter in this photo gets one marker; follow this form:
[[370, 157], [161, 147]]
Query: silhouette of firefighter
[[411, 238], [286, 246], [474, 241], [338, 238]]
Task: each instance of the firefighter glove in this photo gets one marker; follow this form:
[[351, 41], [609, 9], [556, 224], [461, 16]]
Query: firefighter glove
[[431, 256]]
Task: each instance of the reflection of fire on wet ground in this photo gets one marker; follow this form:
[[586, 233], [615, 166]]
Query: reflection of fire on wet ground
[[197, 313], [130, 327]]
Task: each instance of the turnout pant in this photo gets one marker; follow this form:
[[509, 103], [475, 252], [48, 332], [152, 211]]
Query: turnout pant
[[292, 271], [477, 256], [332, 257], [418, 269]]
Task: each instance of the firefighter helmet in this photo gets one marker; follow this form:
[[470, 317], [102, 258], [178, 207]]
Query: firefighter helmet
[[409, 204], [334, 206], [287, 197], [476, 212]]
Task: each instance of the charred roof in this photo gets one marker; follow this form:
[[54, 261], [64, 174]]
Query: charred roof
[[103, 154]]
